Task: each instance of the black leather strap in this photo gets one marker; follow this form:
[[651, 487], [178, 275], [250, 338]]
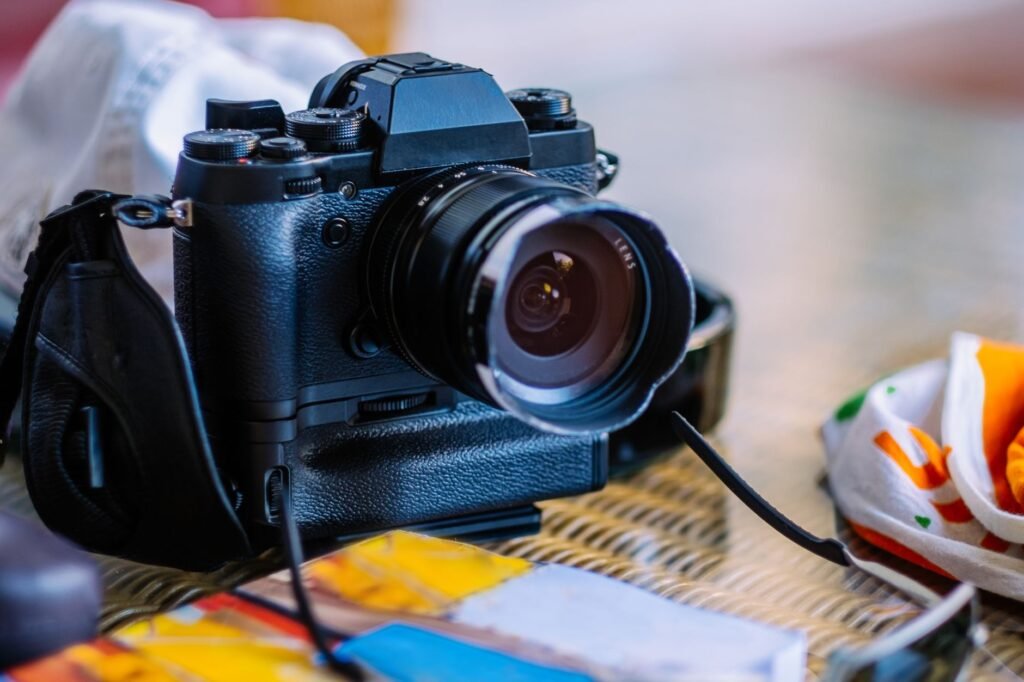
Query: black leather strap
[[54, 239], [86, 310]]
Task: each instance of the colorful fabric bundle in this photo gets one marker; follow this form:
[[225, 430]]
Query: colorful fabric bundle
[[929, 464]]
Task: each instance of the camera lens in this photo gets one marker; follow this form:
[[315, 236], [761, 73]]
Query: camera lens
[[532, 295], [571, 312]]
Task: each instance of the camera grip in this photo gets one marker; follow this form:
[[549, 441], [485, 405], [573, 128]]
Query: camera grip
[[241, 332]]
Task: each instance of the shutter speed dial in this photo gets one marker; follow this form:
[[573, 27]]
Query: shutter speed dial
[[221, 144], [327, 129], [544, 108]]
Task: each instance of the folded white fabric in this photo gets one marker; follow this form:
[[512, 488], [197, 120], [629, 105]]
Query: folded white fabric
[[929, 464], [110, 89]]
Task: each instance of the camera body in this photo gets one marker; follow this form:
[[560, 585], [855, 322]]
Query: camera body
[[300, 380]]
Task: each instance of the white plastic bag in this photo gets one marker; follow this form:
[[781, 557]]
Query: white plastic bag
[[110, 89]]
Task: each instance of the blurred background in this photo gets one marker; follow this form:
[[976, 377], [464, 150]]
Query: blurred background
[[851, 173], [967, 45], [833, 166]]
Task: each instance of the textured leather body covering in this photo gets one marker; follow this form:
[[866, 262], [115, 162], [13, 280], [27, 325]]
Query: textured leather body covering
[[266, 308]]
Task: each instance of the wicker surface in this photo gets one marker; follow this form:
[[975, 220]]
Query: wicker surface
[[855, 230]]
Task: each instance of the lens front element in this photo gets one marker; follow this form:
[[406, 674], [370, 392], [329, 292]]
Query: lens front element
[[549, 311], [572, 311]]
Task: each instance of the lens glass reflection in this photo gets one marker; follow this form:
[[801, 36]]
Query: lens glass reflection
[[553, 304], [572, 310]]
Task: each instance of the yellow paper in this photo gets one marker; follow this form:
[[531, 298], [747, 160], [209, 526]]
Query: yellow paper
[[94, 661], [413, 573], [223, 646]]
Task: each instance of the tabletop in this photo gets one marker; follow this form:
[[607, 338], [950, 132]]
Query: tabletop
[[856, 229]]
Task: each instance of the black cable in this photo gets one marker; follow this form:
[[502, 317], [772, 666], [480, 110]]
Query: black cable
[[292, 544], [828, 549]]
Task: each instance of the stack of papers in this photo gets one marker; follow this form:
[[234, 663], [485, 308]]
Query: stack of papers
[[409, 607]]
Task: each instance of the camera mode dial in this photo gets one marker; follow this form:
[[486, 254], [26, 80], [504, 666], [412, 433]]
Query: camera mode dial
[[327, 129], [221, 144]]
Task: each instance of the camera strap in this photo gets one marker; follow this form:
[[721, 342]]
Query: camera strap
[[92, 337], [86, 306]]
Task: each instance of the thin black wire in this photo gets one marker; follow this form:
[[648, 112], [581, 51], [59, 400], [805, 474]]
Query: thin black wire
[[292, 544], [828, 549]]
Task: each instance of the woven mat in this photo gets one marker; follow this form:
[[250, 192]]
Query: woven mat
[[856, 230]]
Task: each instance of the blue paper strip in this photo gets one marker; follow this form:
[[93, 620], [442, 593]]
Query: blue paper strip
[[403, 652]]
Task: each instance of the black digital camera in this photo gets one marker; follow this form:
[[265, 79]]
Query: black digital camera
[[408, 299]]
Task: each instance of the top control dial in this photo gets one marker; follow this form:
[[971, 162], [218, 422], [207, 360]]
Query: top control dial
[[327, 129], [221, 144], [544, 108]]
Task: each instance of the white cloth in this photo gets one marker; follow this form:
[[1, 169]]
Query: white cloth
[[923, 464], [110, 89]]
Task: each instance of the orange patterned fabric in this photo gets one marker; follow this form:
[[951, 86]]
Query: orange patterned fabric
[[895, 547], [936, 456], [994, 543], [925, 476], [1002, 365], [1015, 467], [954, 512], [913, 464]]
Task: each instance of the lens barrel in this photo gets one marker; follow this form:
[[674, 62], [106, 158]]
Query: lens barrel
[[566, 310]]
